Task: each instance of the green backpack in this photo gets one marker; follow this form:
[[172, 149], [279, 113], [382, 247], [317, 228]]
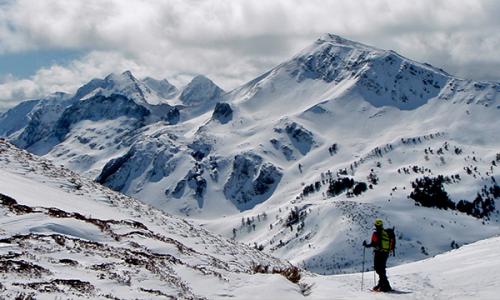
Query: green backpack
[[388, 241]]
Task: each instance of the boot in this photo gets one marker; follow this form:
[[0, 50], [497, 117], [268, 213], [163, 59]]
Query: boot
[[386, 287]]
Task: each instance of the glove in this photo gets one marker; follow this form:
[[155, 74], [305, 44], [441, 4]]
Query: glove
[[365, 244]]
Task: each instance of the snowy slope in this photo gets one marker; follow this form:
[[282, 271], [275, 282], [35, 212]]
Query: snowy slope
[[338, 109], [466, 273], [64, 236]]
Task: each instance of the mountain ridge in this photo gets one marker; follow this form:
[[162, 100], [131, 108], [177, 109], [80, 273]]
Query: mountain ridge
[[338, 110]]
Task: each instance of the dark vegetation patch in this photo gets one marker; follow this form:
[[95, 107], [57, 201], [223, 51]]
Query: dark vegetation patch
[[430, 192], [13, 206], [53, 286], [338, 186], [21, 267], [291, 273], [483, 205], [157, 293], [68, 261]]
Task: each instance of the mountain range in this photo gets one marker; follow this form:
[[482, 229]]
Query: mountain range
[[298, 161], [64, 236]]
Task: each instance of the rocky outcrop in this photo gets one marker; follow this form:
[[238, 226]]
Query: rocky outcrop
[[251, 181], [284, 149], [194, 182], [200, 149], [222, 113], [173, 115], [301, 138], [149, 161]]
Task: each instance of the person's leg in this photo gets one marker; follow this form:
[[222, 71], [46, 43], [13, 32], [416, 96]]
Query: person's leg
[[384, 283], [378, 267]]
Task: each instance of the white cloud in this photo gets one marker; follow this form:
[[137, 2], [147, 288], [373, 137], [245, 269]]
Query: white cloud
[[63, 78], [232, 41]]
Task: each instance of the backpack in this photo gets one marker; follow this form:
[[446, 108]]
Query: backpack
[[392, 240]]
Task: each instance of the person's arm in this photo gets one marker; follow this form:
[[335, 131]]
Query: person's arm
[[373, 242]]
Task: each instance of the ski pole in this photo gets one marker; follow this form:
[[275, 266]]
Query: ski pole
[[363, 269], [374, 281]]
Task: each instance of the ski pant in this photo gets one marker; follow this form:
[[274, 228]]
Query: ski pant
[[379, 262]]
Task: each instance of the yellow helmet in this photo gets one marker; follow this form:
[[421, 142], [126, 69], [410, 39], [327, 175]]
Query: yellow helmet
[[378, 222]]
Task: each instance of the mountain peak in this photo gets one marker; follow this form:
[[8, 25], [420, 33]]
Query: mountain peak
[[127, 73], [200, 79], [382, 77], [329, 44], [200, 90], [124, 77], [162, 87], [58, 96], [333, 39], [124, 84], [333, 59]]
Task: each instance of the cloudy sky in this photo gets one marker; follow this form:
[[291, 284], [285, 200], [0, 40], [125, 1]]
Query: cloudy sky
[[57, 45]]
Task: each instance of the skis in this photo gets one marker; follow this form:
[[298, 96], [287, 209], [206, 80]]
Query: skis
[[390, 292]]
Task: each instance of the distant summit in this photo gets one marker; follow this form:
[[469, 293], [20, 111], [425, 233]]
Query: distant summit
[[201, 90], [341, 41], [384, 77], [162, 87]]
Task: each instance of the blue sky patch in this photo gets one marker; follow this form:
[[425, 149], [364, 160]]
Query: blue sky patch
[[25, 64]]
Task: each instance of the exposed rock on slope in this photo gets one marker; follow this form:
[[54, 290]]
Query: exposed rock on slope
[[251, 181], [223, 113]]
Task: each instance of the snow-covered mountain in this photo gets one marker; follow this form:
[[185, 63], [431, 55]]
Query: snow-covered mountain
[[64, 236], [126, 84], [32, 121], [201, 90], [299, 160], [162, 87]]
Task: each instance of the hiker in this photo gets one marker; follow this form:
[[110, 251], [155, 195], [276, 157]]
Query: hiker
[[381, 242]]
